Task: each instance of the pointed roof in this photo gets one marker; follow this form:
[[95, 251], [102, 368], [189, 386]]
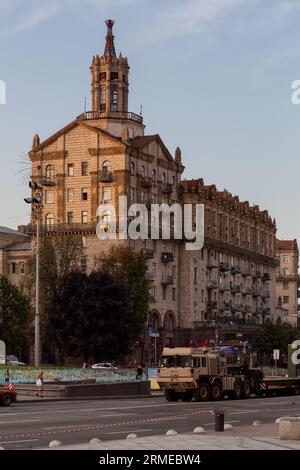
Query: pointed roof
[[110, 46], [141, 142]]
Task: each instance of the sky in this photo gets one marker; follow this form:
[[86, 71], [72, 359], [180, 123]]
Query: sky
[[213, 76]]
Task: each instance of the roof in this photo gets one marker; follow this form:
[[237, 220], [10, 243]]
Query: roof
[[10, 231], [19, 247], [287, 244], [142, 141]]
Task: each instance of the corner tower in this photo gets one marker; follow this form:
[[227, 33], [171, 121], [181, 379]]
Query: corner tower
[[110, 88]]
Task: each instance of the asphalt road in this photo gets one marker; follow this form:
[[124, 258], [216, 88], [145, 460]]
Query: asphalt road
[[33, 425]]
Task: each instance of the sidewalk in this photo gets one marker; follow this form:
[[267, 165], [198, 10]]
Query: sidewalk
[[240, 438]]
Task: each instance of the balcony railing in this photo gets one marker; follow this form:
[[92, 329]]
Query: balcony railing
[[64, 228], [167, 279], [223, 287], [212, 305], [224, 267], [236, 289], [247, 309], [266, 277], [247, 290], [146, 182], [112, 114], [236, 307], [167, 257], [167, 188], [246, 272], [47, 181], [106, 176], [212, 285], [235, 269], [265, 293]]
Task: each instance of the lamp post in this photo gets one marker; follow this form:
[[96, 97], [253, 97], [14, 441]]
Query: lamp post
[[36, 203]]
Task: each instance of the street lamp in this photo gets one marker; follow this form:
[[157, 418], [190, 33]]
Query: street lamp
[[36, 204]]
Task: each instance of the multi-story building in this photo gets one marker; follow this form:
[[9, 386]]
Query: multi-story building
[[287, 281], [222, 290], [15, 256]]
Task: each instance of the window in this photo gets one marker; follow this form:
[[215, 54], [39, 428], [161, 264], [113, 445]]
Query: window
[[143, 197], [164, 178], [286, 299], [84, 194], [106, 194], [49, 220], [154, 175], [102, 76], [114, 76], [203, 361], [106, 166], [285, 286], [173, 180], [70, 218], [49, 197], [70, 195], [132, 168], [195, 274], [164, 293], [143, 172], [285, 258], [49, 172], [132, 194], [13, 268], [84, 169], [83, 264], [114, 98], [173, 293], [83, 242], [22, 268], [285, 271], [70, 169], [169, 322], [106, 216], [153, 199], [84, 217]]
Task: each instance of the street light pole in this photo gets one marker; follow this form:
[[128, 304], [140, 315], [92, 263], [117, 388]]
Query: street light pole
[[36, 203]]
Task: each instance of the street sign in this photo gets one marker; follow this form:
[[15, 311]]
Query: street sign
[[154, 335], [276, 354], [2, 352]]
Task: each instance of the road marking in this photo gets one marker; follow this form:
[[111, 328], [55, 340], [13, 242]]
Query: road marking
[[69, 426], [20, 421], [116, 415], [226, 422], [129, 430], [24, 440]]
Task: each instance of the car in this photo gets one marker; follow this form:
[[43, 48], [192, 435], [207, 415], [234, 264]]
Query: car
[[14, 361], [105, 366]]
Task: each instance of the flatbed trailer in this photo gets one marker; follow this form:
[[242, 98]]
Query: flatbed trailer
[[276, 384]]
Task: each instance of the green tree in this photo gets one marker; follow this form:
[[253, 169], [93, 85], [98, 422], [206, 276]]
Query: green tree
[[15, 312], [91, 316], [270, 337]]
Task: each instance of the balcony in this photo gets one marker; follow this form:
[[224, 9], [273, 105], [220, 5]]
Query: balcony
[[167, 188], [211, 305], [167, 257], [212, 263], [106, 176], [225, 305], [267, 311], [147, 254], [247, 309], [236, 307], [265, 293], [92, 115], [47, 181], [150, 276], [167, 279], [246, 272], [247, 290], [146, 182], [257, 292], [224, 267], [212, 285], [235, 269], [224, 287], [266, 277], [236, 289]]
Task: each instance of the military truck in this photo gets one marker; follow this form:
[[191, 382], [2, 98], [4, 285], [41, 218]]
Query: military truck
[[203, 374]]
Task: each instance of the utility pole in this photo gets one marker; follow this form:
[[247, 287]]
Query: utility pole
[[36, 203]]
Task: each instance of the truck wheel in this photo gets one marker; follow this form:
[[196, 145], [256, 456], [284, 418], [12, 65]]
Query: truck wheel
[[238, 390], [171, 395], [202, 393], [186, 396], [247, 389], [6, 400], [216, 391]]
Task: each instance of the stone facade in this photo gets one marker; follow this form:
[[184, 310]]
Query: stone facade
[[287, 281], [222, 291]]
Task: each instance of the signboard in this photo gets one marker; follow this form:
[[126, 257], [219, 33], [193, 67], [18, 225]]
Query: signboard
[[2, 352], [154, 335], [276, 354]]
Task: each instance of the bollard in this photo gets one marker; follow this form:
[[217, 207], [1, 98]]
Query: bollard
[[219, 421]]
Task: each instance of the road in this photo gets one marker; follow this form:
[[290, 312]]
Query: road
[[27, 425]]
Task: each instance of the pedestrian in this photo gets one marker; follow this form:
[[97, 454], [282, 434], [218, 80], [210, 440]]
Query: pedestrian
[[139, 373], [7, 376], [40, 384]]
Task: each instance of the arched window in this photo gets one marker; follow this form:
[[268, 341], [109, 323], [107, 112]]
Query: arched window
[[154, 321], [49, 220], [132, 168], [169, 321], [154, 175], [164, 178], [49, 171], [106, 216], [143, 171], [106, 166]]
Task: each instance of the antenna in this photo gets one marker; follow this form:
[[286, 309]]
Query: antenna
[[141, 111], [85, 104]]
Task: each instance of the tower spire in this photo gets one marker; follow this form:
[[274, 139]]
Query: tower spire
[[110, 46]]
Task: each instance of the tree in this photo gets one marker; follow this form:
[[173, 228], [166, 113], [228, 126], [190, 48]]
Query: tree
[[91, 316], [270, 337], [15, 314], [124, 263]]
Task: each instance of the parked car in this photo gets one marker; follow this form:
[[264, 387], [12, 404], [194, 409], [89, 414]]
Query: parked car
[[14, 361], [105, 366]]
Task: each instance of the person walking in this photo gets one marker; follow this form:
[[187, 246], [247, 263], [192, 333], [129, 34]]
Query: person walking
[[139, 373], [40, 384], [6, 376]]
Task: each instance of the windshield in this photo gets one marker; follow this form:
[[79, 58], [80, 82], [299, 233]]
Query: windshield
[[176, 361]]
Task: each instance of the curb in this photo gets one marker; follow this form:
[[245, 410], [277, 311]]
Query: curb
[[116, 397]]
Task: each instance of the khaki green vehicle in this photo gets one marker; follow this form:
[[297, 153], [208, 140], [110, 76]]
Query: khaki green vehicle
[[202, 374]]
